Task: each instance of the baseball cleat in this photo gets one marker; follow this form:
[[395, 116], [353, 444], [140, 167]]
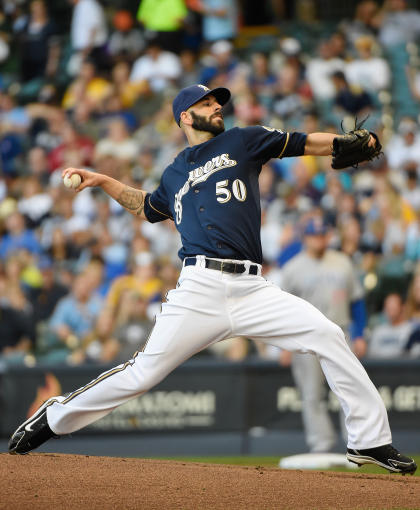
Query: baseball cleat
[[386, 457], [34, 431]]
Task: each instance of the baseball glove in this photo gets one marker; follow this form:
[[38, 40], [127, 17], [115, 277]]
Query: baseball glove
[[353, 148]]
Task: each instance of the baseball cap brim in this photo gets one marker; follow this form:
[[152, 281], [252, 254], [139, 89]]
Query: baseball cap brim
[[221, 94], [192, 95]]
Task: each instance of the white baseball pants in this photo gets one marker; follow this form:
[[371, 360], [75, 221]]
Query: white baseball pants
[[208, 306]]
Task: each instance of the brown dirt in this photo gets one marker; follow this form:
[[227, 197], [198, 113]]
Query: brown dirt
[[50, 481]]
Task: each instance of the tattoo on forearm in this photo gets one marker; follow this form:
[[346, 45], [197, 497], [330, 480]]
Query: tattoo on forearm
[[132, 199]]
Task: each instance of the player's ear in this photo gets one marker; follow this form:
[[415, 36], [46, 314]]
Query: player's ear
[[186, 118]]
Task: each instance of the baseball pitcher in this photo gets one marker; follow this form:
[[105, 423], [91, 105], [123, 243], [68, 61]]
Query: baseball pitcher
[[211, 193]]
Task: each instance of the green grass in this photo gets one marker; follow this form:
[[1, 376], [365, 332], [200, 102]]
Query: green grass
[[273, 462]]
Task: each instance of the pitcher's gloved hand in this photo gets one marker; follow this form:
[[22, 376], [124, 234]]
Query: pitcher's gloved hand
[[354, 147]]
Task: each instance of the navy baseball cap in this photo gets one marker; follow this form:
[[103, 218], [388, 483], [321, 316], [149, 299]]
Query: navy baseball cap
[[315, 227], [191, 95]]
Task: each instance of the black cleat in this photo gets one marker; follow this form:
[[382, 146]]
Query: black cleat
[[386, 457], [34, 431]]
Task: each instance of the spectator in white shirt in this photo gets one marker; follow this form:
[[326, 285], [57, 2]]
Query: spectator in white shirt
[[117, 143], [368, 71], [404, 147], [160, 68], [320, 69], [88, 33]]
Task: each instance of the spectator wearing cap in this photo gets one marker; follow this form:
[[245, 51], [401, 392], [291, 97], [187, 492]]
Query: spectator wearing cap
[[158, 67], [222, 66]]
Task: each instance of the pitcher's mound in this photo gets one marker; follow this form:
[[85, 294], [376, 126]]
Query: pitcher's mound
[[316, 461], [47, 481]]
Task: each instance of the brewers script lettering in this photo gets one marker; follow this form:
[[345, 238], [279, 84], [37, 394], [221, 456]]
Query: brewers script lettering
[[200, 174]]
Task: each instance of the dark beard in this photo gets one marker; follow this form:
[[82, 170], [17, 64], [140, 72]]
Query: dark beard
[[203, 124]]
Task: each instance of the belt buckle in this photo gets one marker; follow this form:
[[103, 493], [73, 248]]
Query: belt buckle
[[222, 263]]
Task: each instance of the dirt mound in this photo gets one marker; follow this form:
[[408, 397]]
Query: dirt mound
[[82, 482]]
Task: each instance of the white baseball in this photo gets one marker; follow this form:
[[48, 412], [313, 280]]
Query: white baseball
[[73, 181]]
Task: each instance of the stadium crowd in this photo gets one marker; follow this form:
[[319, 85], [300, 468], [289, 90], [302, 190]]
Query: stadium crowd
[[80, 278]]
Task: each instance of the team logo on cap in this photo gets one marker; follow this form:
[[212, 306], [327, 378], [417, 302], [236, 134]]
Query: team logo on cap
[[203, 87]]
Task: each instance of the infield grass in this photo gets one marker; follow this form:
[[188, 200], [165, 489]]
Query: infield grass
[[273, 462]]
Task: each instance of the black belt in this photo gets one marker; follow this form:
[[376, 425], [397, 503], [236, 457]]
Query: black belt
[[225, 267]]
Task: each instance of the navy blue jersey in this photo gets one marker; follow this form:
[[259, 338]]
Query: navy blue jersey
[[211, 191]]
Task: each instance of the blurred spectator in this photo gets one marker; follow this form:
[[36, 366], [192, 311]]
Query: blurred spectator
[[18, 237], [404, 147], [222, 65], [220, 19], [158, 67], [411, 191], [350, 100], [413, 300], [362, 24], [35, 204], [232, 349], [132, 326], [72, 320], [389, 339], [126, 41], [39, 44], [261, 80], [398, 23], [127, 91], [142, 280], [191, 68], [13, 117], [368, 71], [15, 324], [117, 143], [320, 69], [165, 20], [88, 88], [37, 165], [248, 110], [74, 149], [89, 34], [412, 346], [48, 135], [45, 297]]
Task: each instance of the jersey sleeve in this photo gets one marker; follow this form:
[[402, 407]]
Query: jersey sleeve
[[264, 143], [156, 205]]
